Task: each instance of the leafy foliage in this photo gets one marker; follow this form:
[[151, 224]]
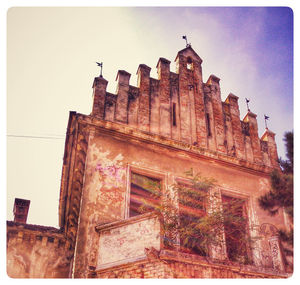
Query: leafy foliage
[[288, 165], [282, 183], [196, 219], [280, 195]]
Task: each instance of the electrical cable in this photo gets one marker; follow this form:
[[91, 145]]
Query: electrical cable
[[38, 137]]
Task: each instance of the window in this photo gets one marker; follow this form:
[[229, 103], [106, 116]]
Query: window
[[189, 64], [145, 194], [264, 146], [208, 125], [235, 227], [191, 209], [174, 114], [245, 128]]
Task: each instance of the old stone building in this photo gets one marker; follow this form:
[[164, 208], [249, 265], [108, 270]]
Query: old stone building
[[153, 132]]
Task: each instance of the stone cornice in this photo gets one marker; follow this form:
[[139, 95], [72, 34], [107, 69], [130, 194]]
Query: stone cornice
[[120, 223], [34, 229], [116, 129]]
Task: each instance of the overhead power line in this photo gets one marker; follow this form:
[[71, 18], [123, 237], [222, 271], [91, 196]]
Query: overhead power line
[[56, 137]]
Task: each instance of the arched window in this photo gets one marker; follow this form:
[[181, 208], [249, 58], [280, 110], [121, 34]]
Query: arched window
[[189, 64]]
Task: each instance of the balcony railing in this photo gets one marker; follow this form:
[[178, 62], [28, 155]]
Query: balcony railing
[[130, 240]]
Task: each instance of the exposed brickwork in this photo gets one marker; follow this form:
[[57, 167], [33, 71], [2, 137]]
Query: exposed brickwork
[[122, 98], [255, 143], [237, 134], [163, 69], [187, 105], [175, 101], [209, 118], [228, 142], [269, 137], [199, 106], [99, 94], [21, 207], [173, 265], [133, 101], [154, 106], [144, 97], [110, 106], [218, 116], [180, 106]]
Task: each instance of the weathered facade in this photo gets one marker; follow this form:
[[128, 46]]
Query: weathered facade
[[157, 130]]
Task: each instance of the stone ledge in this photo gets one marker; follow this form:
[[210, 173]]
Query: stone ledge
[[166, 256], [120, 223], [28, 233], [118, 129], [121, 263], [31, 227], [171, 255]]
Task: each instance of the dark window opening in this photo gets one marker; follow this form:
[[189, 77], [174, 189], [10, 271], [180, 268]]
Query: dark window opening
[[38, 238], [61, 243], [174, 114], [145, 194], [236, 228], [189, 64], [191, 209], [245, 128], [50, 239], [208, 125], [264, 146]]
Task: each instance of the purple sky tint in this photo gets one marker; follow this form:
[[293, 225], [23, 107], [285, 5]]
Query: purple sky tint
[[51, 55], [250, 49]]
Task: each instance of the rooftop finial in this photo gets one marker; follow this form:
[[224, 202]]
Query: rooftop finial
[[266, 118], [101, 65], [187, 44], [247, 102]]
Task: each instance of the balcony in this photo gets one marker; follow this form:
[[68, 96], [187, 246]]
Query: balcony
[[125, 241]]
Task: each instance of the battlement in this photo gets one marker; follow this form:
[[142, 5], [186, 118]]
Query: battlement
[[181, 107], [35, 234], [18, 231]]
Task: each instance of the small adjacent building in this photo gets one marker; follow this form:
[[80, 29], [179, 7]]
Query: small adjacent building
[[153, 134]]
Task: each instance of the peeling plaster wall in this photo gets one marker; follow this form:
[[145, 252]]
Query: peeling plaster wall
[[106, 185], [29, 257]]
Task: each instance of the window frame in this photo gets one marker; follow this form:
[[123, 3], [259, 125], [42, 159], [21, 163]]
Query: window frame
[[248, 209], [187, 183], [145, 172]]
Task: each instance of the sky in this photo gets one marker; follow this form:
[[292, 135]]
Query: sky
[[51, 55]]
